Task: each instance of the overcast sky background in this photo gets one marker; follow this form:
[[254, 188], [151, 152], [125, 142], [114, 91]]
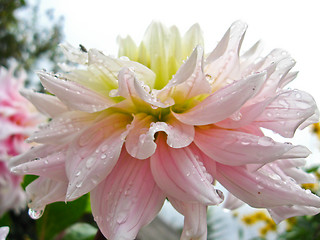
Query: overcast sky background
[[289, 24]]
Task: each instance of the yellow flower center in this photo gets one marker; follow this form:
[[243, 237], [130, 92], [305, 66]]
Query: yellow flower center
[[162, 50]]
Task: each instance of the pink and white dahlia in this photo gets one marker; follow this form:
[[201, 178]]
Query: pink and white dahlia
[[16, 124], [164, 120]]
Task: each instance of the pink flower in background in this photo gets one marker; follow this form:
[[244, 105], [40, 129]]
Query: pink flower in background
[[4, 232], [17, 123], [165, 121]]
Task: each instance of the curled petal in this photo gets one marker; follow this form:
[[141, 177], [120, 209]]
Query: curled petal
[[44, 191], [195, 219], [264, 188], [287, 112], [4, 231], [238, 148], [45, 103], [131, 87], [93, 154], [140, 140], [221, 104], [127, 199], [181, 174], [72, 94], [231, 202]]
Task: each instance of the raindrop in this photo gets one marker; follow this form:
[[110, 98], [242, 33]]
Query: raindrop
[[78, 173], [90, 162], [78, 185], [188, 174], [35, 213], [103, 156], [308, 191], [46, 161]]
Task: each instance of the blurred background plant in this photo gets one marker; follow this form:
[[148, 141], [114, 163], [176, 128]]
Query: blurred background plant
[[26, 38]]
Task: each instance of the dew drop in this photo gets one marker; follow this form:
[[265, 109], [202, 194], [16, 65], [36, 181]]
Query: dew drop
[[78, 185], [103, 156], [78, 173], [308, 191], [90, 162], [35, 213]]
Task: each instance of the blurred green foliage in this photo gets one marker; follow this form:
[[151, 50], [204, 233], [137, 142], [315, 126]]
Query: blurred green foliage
[[25, 37]]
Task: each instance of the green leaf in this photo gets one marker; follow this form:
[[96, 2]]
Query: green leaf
[[58, 216], [27, 180], [80, 231]]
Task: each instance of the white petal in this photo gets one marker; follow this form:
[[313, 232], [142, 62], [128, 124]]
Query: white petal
[[45, 103], [74, 95]]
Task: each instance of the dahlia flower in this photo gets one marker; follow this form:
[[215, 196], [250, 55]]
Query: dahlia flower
[[17, 123], [164, 120]]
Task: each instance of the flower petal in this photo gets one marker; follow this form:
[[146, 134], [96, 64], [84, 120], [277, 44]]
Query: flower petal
[[72, 94], [231, 202], [224, 102], [62, 129], [189, 81], [181, 174], [45, 103], [238, 148], [93, 154], [51, 166], [195, 219], [264, 187], [131, 87], [140, 140], [127, 199], [287, 112], [44, 191], [223, 61], [281, 213]]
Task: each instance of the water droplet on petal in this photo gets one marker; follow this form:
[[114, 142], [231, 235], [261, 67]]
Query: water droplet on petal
[[90, 162], [35, 213]]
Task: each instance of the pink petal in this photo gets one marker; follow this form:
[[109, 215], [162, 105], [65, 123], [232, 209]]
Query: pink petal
[[231, 202], [45, 103], [140, 140], [44, 191], [4, 231], [245, 116], [127, 199], [223, 62], [62, 129], [51, 166], [195, 219], [72, 94], [222, 103], [291, 167], [263, 188], [40, 151], [238, 148], [181, 174], [287, 112], [281, 213], [93, 154]]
